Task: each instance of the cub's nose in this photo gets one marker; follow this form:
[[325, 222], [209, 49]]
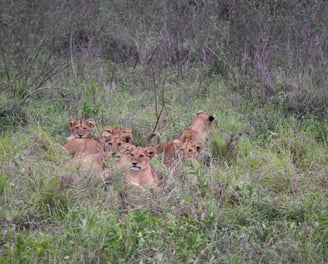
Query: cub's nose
[[80, 136], [134, 163]]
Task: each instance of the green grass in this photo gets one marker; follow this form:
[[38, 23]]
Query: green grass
[[266, 203]]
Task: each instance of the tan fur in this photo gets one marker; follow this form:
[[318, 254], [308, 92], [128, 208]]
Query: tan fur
[[123, 157], [125, 133], [94, 152], [190, 150], [113, 142], [141, 172], [169, 149], [78, 146], [151, 136], [198, 128], [89, 152], [96, 161], [195, 134], [80, 128]]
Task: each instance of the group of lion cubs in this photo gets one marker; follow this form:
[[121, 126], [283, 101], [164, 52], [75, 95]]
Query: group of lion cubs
[[117, 143]]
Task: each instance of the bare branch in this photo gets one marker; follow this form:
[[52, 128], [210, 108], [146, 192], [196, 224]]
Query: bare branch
[[158, 112]]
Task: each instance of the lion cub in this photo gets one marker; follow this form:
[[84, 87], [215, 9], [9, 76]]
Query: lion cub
[[123, 157], [141, 172], [80, 128], [84, 146], [169, 149], [198, 128], [190, 150], [113, 142], [124, 133], [87, 152]]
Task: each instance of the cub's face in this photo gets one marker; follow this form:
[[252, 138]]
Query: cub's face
[[125, 133], [112, 143], [190, 150], [140, 158], [123, 157], [81, 128]]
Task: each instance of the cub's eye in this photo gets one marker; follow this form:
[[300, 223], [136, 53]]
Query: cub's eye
[[76, 127], [119, 144], [131, 154], [141, 156], [190, 150], [84, 128]]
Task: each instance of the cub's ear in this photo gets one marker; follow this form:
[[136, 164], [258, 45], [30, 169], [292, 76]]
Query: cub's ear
[[90, 123], [211, 118], [108, 129], [177, 143], [150, 152], [201, 112], [128, 130], [71, 122], [127, 138], [106, 136], [127, 135], [199, 147]]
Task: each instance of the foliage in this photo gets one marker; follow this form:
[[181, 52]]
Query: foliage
[[273, 51], [259, 66], [265, 203]]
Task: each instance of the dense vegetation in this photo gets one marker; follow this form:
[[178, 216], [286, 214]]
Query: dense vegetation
[[259, 66]]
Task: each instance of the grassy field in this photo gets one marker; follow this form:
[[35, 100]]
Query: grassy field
[[264, 203]]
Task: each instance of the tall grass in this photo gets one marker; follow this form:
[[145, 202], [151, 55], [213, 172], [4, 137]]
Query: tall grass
[[266, 203]]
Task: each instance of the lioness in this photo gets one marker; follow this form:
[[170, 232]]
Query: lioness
[[198, 128], [141, 172], [80, 128]]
